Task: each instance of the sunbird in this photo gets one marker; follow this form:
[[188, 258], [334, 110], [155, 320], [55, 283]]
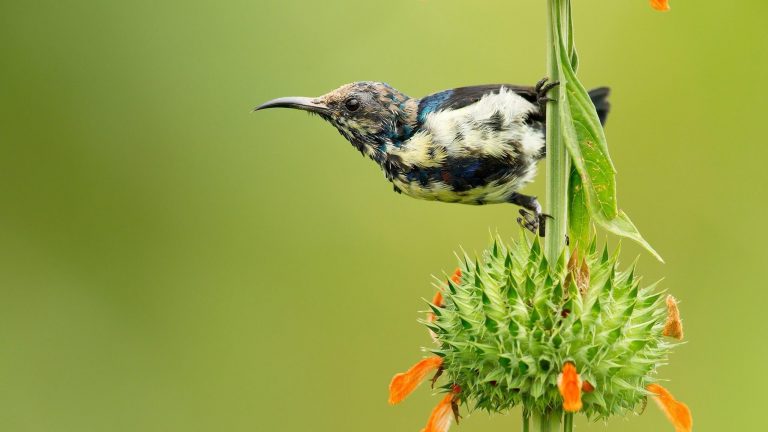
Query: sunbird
[[470, 145]]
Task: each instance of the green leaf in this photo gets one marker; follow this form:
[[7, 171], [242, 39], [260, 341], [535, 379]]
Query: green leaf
[[557, 292], [586, 145], [622, 225], [451, 287], [535, 250], [571, 41], [514, 328], [579, 226], [508, 260], [435, 310], [585, 140]]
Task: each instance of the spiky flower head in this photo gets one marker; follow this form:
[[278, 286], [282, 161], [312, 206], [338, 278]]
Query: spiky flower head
[[580, 335]]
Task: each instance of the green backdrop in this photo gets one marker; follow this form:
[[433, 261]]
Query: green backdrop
[[170, 261]]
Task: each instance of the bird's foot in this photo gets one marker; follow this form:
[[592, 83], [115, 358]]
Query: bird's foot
[[542, 88], [533, 222]]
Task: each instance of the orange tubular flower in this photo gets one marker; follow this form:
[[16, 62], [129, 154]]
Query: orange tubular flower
[[660, 5], [456, 277], [677, 412], [404, 383], [438, 299], [442, 415], [569, 384], [431, 317]]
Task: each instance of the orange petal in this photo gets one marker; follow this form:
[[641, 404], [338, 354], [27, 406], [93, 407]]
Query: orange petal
[[674, 326], [586, 387], [677, 412], [569, 384], [431, 317], [437, 301], [456, 277], [660, 5], [442, 415], [404, 383]]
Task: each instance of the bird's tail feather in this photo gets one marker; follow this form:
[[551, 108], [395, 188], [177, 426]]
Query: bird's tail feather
[[599, 97]]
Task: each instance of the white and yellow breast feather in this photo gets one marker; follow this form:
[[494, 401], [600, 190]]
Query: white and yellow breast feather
[[458, 133]]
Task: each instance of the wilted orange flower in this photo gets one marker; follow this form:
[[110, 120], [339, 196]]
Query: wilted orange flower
[[403, 384], [578, 272], [662, 5], [674, 326], [442, 416], [569, 384], [677, 412]]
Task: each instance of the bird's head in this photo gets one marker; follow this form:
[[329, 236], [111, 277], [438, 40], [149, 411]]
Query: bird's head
[[369, 114]]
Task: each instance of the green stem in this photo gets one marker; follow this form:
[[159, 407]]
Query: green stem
[[557, 156], [568, 422], [526, 420], [547, 421], [558, 166]]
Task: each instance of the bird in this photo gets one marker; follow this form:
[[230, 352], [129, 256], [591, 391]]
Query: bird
[[470, 145]]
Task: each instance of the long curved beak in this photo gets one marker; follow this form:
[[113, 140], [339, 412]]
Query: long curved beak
[[302, 103]]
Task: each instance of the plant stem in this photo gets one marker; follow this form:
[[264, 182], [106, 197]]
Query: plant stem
[[547, 421], [568, 422], [557, 156], [526, 420], [558, 171]]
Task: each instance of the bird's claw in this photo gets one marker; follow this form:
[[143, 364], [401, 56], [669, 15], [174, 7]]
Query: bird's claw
[[542, 88], [533, 222]]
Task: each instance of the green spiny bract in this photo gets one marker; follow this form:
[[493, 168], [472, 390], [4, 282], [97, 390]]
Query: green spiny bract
[[506, 329]]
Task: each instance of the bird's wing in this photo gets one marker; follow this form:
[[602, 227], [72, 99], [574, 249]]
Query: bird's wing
[[465, 96]]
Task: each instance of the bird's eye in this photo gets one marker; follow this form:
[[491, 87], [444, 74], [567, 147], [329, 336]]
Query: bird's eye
[[352, 104]]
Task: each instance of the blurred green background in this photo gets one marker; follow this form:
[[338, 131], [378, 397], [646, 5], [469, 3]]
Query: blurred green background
[[170, 261]]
